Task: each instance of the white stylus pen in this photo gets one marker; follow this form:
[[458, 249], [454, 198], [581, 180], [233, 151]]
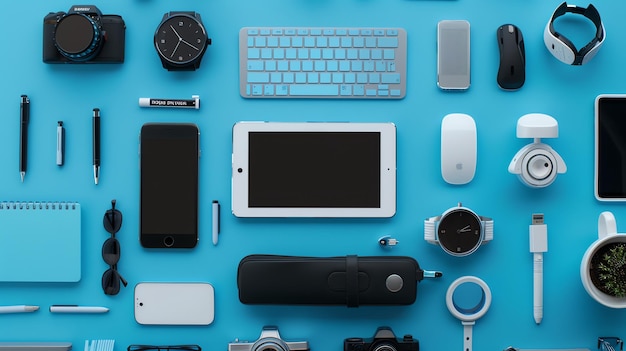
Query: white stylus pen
[[538, 245], [77, 309], [18, 309]]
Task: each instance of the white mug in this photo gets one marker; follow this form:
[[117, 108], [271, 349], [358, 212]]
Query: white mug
[[607, 233]]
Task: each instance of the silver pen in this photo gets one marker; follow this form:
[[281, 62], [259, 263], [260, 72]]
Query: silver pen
[[60, 143]]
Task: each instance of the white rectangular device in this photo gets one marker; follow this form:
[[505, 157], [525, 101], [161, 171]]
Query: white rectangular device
[[453, 54], [174, 303], [314, 169]]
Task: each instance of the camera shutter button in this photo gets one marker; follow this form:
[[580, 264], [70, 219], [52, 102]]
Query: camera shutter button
[[394, 283]]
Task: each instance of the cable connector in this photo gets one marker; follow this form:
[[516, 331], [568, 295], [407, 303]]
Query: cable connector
[[388, 241], [538, 234]]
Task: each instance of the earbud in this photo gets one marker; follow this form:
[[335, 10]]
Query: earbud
[[537, 164]]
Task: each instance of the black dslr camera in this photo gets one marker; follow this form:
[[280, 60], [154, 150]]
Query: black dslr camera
[[383, 340], [83, 35]]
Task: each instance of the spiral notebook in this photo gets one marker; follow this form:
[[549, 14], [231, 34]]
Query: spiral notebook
[[40, 242]]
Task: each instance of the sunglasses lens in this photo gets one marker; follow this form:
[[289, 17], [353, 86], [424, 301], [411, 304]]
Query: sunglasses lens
[[112, 221], [111, 282], [111, 251]]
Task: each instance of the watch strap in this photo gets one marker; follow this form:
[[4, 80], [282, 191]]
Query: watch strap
[[487, 228], [430, 228]]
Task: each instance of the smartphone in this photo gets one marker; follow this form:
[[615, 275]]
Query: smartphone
[[610, 147], [453, 54], [174, 303], [169, 155]]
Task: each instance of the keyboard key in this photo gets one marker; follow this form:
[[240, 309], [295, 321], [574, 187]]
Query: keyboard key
[[300, 78], [258, 77], [390, 78], [282, 90], [314, 90], [346, 90], [254, 53], [255, 65], [345, 63], [387, 42]]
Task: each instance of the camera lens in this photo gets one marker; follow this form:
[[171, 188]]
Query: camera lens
[[385, 346], [269, 344], [77, 37]]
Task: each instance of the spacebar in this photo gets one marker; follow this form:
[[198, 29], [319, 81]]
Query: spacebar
[[314, 90]]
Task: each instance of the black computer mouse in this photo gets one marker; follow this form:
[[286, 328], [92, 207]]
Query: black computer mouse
[[512, 70]]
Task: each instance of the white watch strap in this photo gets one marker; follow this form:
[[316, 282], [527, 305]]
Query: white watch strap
[[488, 227], [429, 230]]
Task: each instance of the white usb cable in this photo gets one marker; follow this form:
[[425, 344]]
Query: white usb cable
[[538, 232]]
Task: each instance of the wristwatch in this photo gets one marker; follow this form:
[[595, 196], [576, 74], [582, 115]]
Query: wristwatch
[[459, 231], [181, 40]]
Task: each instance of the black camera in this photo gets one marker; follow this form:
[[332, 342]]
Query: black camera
[[83, 35], [383, 340]]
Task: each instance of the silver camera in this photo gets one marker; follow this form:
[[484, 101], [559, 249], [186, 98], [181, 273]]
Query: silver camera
[[269, 340]]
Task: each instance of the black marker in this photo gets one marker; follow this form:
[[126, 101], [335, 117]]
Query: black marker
[[24, 118], [194, 102], [96, 144]]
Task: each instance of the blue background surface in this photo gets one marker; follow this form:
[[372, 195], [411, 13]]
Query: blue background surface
[[69, 92]]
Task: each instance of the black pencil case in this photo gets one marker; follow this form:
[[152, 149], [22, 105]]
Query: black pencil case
[[346, 280]]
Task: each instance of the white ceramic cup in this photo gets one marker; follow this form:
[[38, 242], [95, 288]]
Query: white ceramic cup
[[607, 233]]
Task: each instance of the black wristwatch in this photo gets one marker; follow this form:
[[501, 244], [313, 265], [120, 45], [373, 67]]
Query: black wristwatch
[[181, 41], [459, 231]]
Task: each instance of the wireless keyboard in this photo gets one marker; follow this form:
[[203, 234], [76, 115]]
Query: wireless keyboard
[[344, 63]]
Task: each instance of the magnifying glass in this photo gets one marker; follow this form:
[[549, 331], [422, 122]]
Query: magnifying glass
[[468, 298]]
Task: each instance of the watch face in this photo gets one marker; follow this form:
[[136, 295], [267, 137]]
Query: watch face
[[459, 232], [180, 39]]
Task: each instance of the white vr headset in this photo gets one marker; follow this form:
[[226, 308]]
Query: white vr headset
[[562, 48]]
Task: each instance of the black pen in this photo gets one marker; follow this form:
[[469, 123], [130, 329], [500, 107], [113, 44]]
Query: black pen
[[24, 117], [96, 144]]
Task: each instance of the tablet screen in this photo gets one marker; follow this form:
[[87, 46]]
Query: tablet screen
[[314, 169]]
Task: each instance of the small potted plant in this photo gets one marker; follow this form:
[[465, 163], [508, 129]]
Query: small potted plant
[[603, 268]]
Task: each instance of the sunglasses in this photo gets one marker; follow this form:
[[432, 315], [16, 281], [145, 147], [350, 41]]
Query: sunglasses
[[164, 348], [111, 252]]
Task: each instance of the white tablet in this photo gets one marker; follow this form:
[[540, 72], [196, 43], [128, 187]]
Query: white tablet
[[314, 169]]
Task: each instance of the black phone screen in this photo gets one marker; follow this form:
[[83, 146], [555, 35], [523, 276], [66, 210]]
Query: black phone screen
[[611, 147], [169, 185]]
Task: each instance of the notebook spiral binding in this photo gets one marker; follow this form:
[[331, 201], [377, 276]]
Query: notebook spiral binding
[[37, 205]]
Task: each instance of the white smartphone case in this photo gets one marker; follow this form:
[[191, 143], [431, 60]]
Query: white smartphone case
[[174, 303]]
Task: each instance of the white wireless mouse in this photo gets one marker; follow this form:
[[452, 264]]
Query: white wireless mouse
[[458, 148]]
